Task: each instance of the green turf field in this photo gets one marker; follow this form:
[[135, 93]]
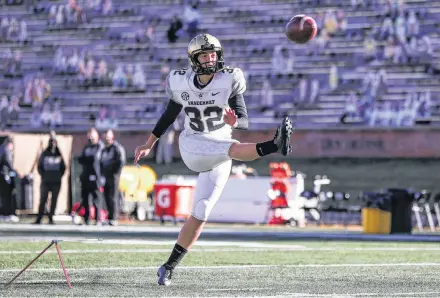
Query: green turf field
[[284, 269]]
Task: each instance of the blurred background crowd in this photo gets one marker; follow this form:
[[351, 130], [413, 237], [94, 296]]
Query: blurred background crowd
[[72, 64]]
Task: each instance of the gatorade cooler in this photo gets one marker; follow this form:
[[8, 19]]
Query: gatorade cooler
[[376, 221], [173, 199]]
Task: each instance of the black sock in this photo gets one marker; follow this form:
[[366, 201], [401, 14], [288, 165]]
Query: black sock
[[266, 148], [176, 256]]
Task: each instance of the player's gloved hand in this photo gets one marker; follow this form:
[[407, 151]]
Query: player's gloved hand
[[229, 117], [141, 151]]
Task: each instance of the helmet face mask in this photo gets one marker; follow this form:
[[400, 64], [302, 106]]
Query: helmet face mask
[[205, 43], [204, 62]]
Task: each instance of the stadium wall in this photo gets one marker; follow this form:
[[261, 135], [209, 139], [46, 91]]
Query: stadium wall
[[350, 142], [309, 145]]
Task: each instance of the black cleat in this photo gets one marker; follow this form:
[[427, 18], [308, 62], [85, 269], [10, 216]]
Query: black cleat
[[164, 273], [282, 137]]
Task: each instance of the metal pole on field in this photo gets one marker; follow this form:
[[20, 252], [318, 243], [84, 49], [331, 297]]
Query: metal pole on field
[[28, 265], [56, 242], [66, 275], [416, 209], [437, 213], [429, 216]]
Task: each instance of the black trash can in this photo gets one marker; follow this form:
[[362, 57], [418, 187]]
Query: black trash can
[[26, 193], [401, 210]]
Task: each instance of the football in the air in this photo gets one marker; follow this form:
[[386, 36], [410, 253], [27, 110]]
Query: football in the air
[[301, 29]]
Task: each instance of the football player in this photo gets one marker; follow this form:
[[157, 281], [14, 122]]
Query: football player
[[211, 95]]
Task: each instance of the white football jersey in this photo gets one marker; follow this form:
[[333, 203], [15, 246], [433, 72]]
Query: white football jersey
[[204, 108]]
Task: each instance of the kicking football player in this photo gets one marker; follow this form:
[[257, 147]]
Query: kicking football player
[[211, 95]]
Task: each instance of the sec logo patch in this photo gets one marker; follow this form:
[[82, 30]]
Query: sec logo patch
[[185, 96]]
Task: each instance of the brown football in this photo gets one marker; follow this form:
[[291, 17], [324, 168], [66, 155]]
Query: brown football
[[301, 29]]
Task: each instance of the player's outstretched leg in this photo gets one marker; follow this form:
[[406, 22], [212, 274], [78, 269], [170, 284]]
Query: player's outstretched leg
[[280, 144], [209, 188]]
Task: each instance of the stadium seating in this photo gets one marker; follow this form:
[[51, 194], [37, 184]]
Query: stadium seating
[[250, 31]]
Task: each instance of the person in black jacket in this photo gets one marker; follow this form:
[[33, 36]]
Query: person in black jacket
[[92, 182], [112, 161], [7, 179], [51, 168], [175, 26]]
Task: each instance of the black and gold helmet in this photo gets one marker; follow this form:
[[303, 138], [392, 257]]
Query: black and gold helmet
[[203, 43]]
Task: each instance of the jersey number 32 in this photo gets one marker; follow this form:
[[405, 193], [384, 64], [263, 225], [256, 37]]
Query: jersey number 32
[[205, 120]]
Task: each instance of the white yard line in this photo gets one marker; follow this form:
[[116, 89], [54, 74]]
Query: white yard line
[[220, 249], [199, 243], [340, 295], [44, 281], [235, 267], [238, 289], [125, 242], [147, 250]]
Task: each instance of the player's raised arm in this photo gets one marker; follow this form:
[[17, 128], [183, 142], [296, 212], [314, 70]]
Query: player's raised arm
[[168, 117]]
